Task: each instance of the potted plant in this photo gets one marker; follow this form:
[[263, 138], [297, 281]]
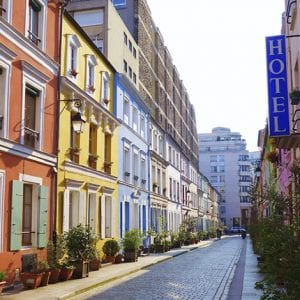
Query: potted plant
[[130, 243], [73, 72], [2, 282], [79, 244], [66, 271], [295, 96], [272, 156], [74, 150], [105, 101], [92, 88], [95, 261], [110, 249], [44, 268], [32, 278]]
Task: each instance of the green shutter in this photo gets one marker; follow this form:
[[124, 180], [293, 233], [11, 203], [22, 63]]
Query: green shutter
[[35, 5], [16, 215], [42, 217], [32, 90]]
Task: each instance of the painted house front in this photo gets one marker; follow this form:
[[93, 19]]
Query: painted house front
[[134, 176], [29, 68], [87, 161]]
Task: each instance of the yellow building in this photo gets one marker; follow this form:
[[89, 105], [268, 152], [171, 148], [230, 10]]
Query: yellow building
[[87, 163]]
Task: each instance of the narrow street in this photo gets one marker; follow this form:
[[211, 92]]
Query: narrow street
[[204, 273]]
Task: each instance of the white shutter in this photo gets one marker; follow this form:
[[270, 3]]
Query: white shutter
[[81, 207], [131, 215], [102, 215], [66, 213], [147, 218], [113, 218]]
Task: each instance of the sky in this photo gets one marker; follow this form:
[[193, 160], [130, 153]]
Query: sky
[[218, 48]]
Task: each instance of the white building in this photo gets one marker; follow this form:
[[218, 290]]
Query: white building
[[224, 160]]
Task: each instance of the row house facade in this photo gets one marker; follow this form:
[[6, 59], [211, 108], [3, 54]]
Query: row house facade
[[87, 191], [29, 67], [134, 179]]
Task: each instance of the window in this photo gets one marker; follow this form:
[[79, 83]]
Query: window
[[125, 38], [92, 211], [142, 127], [99, 43], [107, 153], [36, 22], [213, 158], [93, 146], [74, 143], [170, 154], [155, 140], [135, 119], [31, 135], [143, 170], [126, 163], [125, 66], [134, 52], [5, 9], [135, 166], [130, 72], [72, 56], [130, 46], [107, 217], [90, 73], [126, 109], [214, 179], [89, 17], [29, 215], [134, 77], [105, 94], [170, 188]]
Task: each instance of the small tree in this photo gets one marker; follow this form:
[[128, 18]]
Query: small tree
[[111, 247], [132, 240]]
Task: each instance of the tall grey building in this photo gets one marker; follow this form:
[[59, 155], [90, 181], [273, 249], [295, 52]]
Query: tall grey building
[[224, 160]]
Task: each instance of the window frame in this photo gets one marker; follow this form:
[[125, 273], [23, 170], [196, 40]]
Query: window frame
[[72, 62], [6, 10], [2, 193], [91, 63]]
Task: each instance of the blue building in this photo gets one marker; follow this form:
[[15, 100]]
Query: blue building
[[134, 179]]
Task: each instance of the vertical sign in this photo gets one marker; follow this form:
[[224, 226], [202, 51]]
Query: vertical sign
[[279, 124]]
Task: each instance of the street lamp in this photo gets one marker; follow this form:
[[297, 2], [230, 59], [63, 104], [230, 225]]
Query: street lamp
[[76, 119]]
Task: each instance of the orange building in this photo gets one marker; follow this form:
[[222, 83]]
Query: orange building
[[29, 55]]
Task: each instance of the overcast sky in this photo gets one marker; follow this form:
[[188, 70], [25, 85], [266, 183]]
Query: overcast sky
[[218, 48]]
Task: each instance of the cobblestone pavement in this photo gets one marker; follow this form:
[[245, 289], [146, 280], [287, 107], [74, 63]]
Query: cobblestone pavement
[[199, 274]]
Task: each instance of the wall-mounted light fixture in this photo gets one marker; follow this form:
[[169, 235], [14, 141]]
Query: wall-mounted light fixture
[[76, 119]]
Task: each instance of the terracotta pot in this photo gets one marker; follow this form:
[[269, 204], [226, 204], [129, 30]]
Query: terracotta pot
[[110, 259], [65, 274], [2, 285], [95, 264], [54, 276], [31, 280], [45, 278]]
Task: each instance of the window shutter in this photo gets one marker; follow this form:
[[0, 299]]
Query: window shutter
[[35, 5], [113, 218], [102, 217], [16, 215], [66, 205], [42, 217], [126, 216], [32, 90], [81, 207]]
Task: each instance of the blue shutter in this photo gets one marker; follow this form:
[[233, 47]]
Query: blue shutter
[[126, 216], [16, 215], [121, 219], [42, 217]]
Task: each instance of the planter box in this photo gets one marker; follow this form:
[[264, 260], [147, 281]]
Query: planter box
[[2, 285], [65, 274], [130, 256], [95, 265], [54, 275], [45, 278], [81, 269], [31, 280]]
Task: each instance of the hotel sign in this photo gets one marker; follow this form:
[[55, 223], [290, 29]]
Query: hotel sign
[[279, 124]]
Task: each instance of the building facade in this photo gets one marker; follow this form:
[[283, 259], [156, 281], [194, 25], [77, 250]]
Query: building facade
[[224, 160], [134, 178], [28, 130], [87, 191]]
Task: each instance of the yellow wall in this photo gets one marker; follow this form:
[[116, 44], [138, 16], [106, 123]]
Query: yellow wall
[[91, 109]]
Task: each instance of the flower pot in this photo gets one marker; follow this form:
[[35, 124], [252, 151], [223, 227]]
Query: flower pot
[[81, 269], [54, 275], [119, 259], [110, 258], [66, 274], [31, 280], [45, 278], [2, 285], [95, 264]]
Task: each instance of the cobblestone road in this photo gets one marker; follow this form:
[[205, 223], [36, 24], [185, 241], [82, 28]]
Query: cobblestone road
[[204, 273]]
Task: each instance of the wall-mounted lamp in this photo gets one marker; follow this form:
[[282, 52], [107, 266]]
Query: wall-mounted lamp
[[76, 119], [1, 122], [188, 192]]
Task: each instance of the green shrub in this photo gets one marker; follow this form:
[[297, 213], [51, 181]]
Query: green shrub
[[2, 276], [111, 247], [132, 240]]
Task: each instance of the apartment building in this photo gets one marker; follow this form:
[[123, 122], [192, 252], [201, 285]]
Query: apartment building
[[224, 160]]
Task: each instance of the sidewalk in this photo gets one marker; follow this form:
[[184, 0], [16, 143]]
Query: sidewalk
[[66, 289]]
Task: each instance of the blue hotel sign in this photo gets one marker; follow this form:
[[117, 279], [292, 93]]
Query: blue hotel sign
[[279, 124]]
